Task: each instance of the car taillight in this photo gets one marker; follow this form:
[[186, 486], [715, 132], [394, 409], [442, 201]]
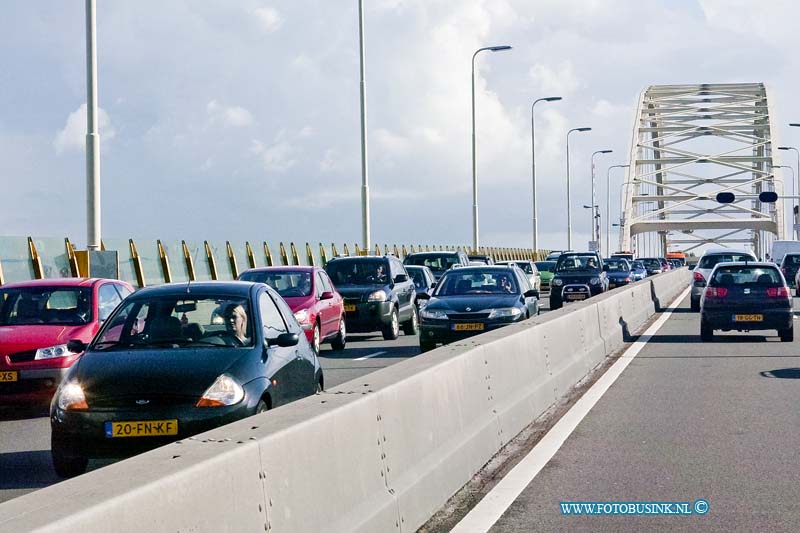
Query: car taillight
[[716, 292], [778, 292], [699, 277]]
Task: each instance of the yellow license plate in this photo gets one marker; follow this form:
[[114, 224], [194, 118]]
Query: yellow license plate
[[349, 308], [468, 327], [142, 428], [8, 376], [748, 318], [576, 296]]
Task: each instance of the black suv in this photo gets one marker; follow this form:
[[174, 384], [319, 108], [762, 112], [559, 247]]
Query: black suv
[[439, 262], [577, 270], [378, 294]]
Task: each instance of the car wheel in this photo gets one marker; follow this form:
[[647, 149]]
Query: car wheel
[[340, 340], [706, 332], [316, 338], [262, 406], [695, 305], [66, 464], [787, 335], [411, 327], [392, 330], [426, 346]]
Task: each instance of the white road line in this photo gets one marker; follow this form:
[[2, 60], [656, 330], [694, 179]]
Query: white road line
[[368, 356], [494, 504]]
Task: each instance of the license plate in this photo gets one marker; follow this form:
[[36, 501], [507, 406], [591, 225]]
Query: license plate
[[748, 318], [142, 428], [350, 308], [612, 285], [468, 327], [8, 376], [576, 296]]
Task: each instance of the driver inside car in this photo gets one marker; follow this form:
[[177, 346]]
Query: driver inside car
[[236, 323]]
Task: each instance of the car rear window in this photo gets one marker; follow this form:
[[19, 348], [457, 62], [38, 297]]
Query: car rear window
[[568, 263], [746, 275], [545, 266], [792, 260], [710, 261], [358, 271], [288, 284], [437, 263]]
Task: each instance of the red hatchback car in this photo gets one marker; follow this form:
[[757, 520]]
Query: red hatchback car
[[37, 320], [315, 302]]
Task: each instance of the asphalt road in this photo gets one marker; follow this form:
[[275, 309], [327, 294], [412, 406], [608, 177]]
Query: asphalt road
[[25, 463], [685, 421]]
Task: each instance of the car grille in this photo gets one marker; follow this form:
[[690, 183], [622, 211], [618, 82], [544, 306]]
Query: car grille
[[467, 316], [352, 301], [128, 401], [22, 357]]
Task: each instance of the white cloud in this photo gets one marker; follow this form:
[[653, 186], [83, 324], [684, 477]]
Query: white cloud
[[73, 135], [234, 116], [269, 18], [276, 158], [558, 80]]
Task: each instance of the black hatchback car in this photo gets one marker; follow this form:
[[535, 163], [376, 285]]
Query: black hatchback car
[[470, 300], [439, 262], [378, 293], [574, 272], [744, 297], [176, 360]]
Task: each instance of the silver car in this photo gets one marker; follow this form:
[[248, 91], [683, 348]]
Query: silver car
[[707, 263]]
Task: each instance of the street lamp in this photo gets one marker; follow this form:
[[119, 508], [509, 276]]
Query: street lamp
[[596, 226], [533, 170], [794, 192], [594, 219], [608, 205], [796, 170], [92, 134], [475, 241], [569, 208], [365, 226]]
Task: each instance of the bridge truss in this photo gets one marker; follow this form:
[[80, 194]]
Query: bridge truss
[[689, 143]]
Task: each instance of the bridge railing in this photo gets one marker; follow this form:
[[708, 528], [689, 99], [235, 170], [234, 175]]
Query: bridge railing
[[144, 262]]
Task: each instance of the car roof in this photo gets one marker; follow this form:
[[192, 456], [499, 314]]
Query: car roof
[[56, 282], [756, 264], [724, 251], [439, 252], [499, 268], [285, 268], [208, 288]]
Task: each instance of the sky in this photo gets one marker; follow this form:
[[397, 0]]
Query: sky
[[240, 120]]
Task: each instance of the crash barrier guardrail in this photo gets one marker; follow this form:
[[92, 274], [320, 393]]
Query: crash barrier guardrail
[[144, 262], [380, 453]]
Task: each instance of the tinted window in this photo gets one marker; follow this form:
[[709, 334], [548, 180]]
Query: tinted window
[[710, 261], [288, 284], [358, 271], [418, 276], [791, 260], [545, 266], [617, 265], [107, 300], [271, 319], [525, 266], [568, 263], [458, 282], [746, 275], [46, 305], [435, 262]]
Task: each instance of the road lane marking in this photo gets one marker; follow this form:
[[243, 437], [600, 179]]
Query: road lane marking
[[369, 356], [494, 504]]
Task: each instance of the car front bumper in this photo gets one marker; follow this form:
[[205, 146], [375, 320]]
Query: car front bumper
[[443, 331], [368, 316], [32, 385]]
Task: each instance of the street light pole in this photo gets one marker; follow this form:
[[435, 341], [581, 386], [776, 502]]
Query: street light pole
[[595, 220], [796, 176], [533, 170], [92, 135], [794, 192], [608, 205], [569, 208], [475, 240], [365, 218]]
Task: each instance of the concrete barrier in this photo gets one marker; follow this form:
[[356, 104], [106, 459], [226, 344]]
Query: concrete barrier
[[381, 453]]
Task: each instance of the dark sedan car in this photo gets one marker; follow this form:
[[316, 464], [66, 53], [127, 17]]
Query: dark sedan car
[[439, 262], [423, 278], [619, 272], [577, 270], [744, 297], [653, 265], [378, 294], [176, 360], [470, 300]]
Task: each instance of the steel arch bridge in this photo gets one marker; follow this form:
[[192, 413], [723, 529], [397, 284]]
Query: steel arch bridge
[[691, 142]]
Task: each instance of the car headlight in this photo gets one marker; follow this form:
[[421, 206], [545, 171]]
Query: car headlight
[[301, 316], [377, 296], [558, 282], [435, 314], [224, 391], [594, 281], [71, 397], [505, 312], [59, 350]]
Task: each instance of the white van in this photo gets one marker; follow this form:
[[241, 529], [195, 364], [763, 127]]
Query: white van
[[781, 248]]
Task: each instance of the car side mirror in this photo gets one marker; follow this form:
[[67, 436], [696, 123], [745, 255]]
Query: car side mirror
[[423, 296], [327, 295], [284, 340], [400, 278], [76, 346], [533, 293]]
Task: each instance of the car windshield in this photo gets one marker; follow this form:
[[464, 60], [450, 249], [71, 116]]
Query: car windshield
[[571, 263], [637, 265], [710, 261], [437, 263], [545, 266], [288, 283], [791, 260], [418, 275], [464, 282], [68, 306], [651, 263], [358, 271], [727, 276], [617, 265], [179, 321], [525, 266]]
